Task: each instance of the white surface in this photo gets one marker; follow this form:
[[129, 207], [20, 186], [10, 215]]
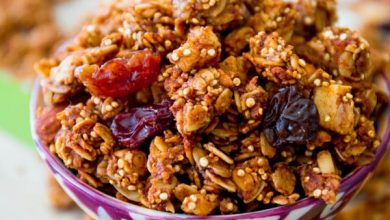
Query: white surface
[[23, 184], [70, 13]]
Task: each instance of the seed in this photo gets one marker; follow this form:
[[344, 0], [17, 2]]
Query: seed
[[260, 197], [308, 153], [271, 51], [186, 52], [131, 188], [241, 172], [191, 205], [308, 20], [229, 206], [91, 28], [108, 108], [114, 104], [186, 91], [163, 196], [204, 162], [325, 83], [327, 118], [236, 81], [376, 144], [317, 82], [177, 168], [251, 148], [302, 62], [121, 163], [343, 36], [93, 134], [328, 34], [167, 43], [317, 193], [327, 57], [250, 102], [107, 42], [211, 52], [316, 170], [96, 100], [194, 198], [175, 57], [264, 51], [195, 21]]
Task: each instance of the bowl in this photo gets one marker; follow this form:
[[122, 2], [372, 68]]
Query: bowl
[[101, 206]]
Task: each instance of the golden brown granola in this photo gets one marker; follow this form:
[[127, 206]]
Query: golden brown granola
[[205, 107], [26, 37], [57, 197]]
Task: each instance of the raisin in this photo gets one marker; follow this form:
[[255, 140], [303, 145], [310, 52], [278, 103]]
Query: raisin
[[134, 127], [121, 77], [291, 118]]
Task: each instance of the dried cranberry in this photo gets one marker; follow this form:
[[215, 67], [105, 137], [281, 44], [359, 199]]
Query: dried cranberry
[[139, 124], [291, 119], [122, 76]]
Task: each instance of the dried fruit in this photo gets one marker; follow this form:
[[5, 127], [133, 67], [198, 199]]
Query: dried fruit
[[123, 76], [291, 118], [139, 124]]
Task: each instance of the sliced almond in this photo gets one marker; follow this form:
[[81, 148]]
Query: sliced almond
[[325, 162], [211, 147], [222, 182]]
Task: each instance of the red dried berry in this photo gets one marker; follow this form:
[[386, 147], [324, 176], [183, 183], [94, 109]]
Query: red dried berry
[[121, 77], [134, 127], [291, 118]]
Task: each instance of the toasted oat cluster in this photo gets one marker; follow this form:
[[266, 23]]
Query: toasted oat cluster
[[211, 107]]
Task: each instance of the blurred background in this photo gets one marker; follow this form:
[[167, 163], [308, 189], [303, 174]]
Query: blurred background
[[31, 29]]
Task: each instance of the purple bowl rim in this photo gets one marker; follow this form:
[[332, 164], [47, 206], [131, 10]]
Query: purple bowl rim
[[351, 179]]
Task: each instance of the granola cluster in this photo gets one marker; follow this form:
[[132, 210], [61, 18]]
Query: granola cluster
[[212, 107], [25, 36]]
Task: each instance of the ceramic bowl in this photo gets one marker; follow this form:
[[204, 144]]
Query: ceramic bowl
[[101, 206]]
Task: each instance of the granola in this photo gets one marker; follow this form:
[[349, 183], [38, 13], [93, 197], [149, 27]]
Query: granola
[[212, 107], [26, 36]]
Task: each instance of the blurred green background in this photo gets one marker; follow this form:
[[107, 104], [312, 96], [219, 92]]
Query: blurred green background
[[14, 114]]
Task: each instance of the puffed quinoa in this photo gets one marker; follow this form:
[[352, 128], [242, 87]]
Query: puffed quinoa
[[214, 106]]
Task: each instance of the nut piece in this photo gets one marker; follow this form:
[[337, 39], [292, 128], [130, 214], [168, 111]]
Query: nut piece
[[250, 184], [274, 58], [317, 184], [335, 107], [266, 149], [325, 162], [200, 204], [202, 49], [183, 190], [283, 180]]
